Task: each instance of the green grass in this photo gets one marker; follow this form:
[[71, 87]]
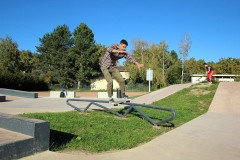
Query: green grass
[[99, 131]]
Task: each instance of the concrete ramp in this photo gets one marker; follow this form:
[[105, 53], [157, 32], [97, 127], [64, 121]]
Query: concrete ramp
[[227, 99], [212, 136]]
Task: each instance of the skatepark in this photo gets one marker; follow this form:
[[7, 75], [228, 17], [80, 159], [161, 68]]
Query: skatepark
[[214, 135]]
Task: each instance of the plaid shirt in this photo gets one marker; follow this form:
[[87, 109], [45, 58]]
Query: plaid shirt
[[110, 58]]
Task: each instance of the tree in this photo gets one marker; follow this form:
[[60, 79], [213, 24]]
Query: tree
[[160, 59], [86, 54], [228, 66], [173, 72], [156, 57], [37, 70], [185, 45], [9, 56], [140, 47], [140, 54], [174, 55], [192, 66], [25, 58], [56, 57]]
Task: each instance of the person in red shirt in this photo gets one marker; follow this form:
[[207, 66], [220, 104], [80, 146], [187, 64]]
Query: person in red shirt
[[209, 71]]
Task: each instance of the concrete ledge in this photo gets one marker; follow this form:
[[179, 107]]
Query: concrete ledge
[[38, 129], [196, 78], [2, 98], [225, 80], [12, 150], [56, 94], [18, 93], [199, 79]]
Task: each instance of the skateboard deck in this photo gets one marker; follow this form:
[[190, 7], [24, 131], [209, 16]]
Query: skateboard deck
[[117, 102]]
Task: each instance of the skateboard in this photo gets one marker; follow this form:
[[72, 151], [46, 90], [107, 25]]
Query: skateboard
[[117, 102]]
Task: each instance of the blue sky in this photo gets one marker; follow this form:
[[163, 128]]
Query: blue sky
[[213, 25]]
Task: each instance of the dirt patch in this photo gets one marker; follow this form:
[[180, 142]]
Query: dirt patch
[[199, 92], [203, 105], [200, 89], [201, 85], [86, 94], [43, 94]]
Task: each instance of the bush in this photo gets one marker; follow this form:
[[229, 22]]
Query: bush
[[237, 79], [21, 81], [137, 87]]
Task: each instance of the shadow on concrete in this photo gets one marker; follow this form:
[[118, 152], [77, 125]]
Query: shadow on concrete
[[7, 101]]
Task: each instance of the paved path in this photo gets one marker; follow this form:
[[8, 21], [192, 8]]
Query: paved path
[[160, 94], [214, 135], [16, 105]]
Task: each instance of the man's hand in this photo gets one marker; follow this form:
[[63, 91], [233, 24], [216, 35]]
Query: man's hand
[[139, 65], [125, 52]]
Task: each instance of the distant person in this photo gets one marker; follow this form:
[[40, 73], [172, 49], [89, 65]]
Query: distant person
[[209, 72], [63, 93], [109, 66]]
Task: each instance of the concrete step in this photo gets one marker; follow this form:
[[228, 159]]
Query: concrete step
[[2, 98], [22, 136], [18, 93], [14, 145]]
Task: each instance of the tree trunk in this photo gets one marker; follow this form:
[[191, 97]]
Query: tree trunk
[[78, 85], [182, 72]]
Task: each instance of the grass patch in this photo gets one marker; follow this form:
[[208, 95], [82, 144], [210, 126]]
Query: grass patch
[[99, 131]]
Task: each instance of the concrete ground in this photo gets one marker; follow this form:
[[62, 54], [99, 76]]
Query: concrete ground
[[214, 135], [18, 105], [7, 136]]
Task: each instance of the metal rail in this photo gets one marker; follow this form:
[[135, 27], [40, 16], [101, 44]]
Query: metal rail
[[129, 108]]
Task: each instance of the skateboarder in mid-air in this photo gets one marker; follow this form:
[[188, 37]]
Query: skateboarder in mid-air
[[109, 66], [209, 71]]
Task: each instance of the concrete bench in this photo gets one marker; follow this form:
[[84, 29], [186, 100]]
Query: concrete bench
[[56, 94], [225, 80], [18, 93], [105, 95], [196, 78], [2, 98], [39, 130]]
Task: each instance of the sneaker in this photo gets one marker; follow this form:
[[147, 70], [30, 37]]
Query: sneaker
[[124, 96], [111, 100]]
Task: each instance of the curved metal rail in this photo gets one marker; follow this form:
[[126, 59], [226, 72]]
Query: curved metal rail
[[129, 108]]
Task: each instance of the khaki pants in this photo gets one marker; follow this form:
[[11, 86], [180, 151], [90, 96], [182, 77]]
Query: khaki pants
[[109, 75]]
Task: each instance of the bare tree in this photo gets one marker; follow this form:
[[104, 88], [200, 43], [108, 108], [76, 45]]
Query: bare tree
[[185, 45], [140, 46]]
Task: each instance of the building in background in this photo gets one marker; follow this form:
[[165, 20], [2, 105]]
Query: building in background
[[101, 83]]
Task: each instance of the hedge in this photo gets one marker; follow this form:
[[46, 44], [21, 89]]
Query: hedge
[[22, 81]]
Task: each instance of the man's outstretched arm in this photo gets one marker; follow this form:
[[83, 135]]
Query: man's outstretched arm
[[139, 65]]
